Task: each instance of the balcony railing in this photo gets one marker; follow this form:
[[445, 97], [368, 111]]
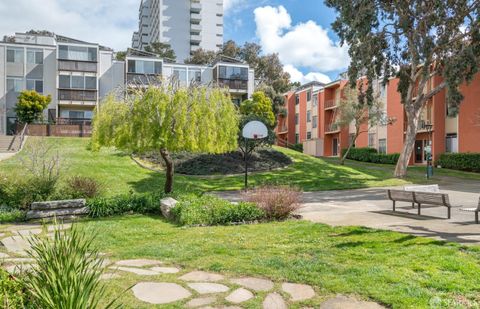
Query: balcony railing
[[143, 79], [332, 128], [233, 84], [282, 129], [77, 95], [425, 126], [330, 104], [80, 66], [74, 121]]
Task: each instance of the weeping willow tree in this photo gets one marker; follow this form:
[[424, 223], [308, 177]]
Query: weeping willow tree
[[168, 119]]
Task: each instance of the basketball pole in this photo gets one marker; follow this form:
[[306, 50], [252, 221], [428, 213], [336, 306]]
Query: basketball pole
[[246, 165]]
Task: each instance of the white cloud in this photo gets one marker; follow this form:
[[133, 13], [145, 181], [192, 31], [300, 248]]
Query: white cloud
[[297, 76], [107, 22], [305, 45], [230, 4]]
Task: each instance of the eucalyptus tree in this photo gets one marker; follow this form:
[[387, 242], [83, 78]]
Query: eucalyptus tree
[[413, 40], [168, 119]]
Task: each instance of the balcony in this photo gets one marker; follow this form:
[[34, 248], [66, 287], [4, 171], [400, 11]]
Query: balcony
[[143, 79], [195, 17], [77, 95], [195, 6], [234, 84], [74, 121], [195, 27], [78, 66], [330, 104], [282, 129], [425, 126], [332, 128], [196, 38]]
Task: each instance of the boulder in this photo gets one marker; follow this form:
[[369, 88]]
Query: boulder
[[166, 205]]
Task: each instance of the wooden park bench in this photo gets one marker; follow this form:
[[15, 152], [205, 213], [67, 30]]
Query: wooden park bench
[[475, 210], [420, 198]]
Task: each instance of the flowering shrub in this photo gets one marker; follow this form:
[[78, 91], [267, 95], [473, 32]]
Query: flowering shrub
[[278, 202]]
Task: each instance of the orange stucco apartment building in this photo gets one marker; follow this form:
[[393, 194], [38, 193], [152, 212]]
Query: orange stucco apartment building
[[311, 110]]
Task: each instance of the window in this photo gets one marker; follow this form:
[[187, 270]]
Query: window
[[78, 53], [78, 82], [34, 56], [180, 74], [309, 135], [382, 145], [297, 99], [15, 55], [35, 84], [309, 96], [236, 73], [451, 144], [64, 81], [371, 140], [297, 138], [195, 75], [14, 84], [314, 122], [73, 114], [296, 118], [450, 111], [309, 117], [351, 136], [90, 82], [315, 100]]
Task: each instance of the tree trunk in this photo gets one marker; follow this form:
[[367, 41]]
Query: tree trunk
[[413, 118], [169, 170], [350, 145]]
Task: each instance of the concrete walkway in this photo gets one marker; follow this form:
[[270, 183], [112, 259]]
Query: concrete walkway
[[371, 208], [6, 155]]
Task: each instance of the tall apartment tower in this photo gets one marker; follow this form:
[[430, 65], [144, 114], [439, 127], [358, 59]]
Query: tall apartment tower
[[186, 25]]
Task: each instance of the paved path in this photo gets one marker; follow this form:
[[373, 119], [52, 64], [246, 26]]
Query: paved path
[[6, 155], [371, 208]]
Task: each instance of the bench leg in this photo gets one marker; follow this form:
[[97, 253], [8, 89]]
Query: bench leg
[[449, 213], [476, 217], [393, 205], [419, 209]]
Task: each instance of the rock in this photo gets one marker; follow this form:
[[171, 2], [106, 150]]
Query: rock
[[17, 269], [166, 205], [166, 270], [138, 271], [49, 205], [222, 307], [108, 276], [28, 232], [239, 296], [274, 301], [201, 276], [201, 301], [160, 292], [342, 302], [16, 244], [255, 284], [208, 288], [298, 292], [18, 260], [138, 262], [64, 212]]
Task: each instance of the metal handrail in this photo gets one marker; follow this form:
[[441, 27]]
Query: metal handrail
[[22, 137]]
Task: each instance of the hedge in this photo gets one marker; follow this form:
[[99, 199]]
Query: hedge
[[297, 147], [460, 161], [367, 154]]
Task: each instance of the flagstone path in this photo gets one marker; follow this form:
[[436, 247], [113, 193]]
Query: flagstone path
[[202, 289]]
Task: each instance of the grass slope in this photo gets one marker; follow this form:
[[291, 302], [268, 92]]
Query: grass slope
[[397, 270], [120, 174]]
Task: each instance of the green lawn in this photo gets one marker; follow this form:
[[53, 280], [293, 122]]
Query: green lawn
[[394, 269], [120, 174]]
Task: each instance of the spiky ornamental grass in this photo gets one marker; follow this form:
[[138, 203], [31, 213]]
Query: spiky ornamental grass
[[67, 271]]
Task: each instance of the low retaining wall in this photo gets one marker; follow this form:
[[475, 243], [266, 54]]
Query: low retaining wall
[[70, 130]]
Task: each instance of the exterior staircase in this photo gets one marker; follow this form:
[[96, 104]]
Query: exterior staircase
[[9, 143]]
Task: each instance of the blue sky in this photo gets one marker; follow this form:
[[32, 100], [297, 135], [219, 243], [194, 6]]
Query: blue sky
[[298, 30]]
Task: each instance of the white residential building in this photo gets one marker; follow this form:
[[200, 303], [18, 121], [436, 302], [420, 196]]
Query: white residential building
[[186, 25]]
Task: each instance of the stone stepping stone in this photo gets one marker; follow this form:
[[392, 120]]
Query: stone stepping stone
[[201, 301], [239, 296], [255, 284], [298, 292], [343, 302], [28, 232], [160, 292], [223, 307], [17, 269], [2, 234], [138, 262], [3, 255], [201, 276], [208, 287], [274, 301], [16, 244], [108, 276], [166, 270], [65, 226], [138, 271]]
